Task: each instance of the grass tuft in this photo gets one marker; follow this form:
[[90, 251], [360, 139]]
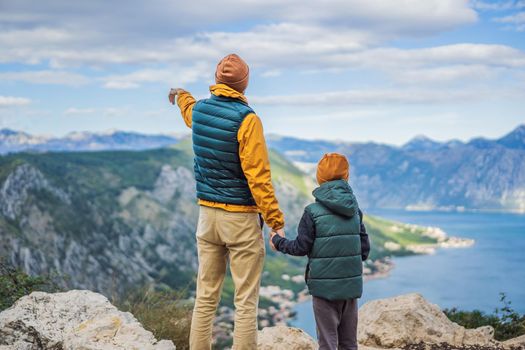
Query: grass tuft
[[163, 312]]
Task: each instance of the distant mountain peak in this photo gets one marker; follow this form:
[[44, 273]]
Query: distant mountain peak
[[520, 130], [78, 135], [421, 137], [421, 142], [514, 139], [15, 141], [10, 132]]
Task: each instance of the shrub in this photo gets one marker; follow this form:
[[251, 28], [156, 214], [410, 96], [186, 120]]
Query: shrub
[[506, 322], [163, 312], [15, 283]]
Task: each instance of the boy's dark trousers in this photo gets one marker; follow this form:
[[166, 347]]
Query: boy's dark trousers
[[336, 323]]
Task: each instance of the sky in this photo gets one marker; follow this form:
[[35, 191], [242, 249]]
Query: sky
[[352, 70]]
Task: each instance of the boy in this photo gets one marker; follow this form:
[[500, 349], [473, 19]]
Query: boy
[[332, 234]]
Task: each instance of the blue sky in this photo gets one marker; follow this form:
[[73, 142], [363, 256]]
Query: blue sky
[[353, 70]]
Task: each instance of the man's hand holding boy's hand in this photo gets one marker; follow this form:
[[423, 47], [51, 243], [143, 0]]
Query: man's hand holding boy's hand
[[173, 93], [272, 233], [279, 232]]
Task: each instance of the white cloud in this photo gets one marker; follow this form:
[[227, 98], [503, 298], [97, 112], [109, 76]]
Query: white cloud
[[467, 54], [444, 74], [271, 73], [174, 75], [120, 85], [371, 97], [10, 101], [410, 17], [517, 21], [39, 36], [115, 111], [46, 77], [303, 48], [132, 80], [77, 111], [107, 111], [498, 5], [276, 45]]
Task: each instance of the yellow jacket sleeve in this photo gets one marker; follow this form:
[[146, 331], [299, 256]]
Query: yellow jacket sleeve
[[186, 102], [256, 166]]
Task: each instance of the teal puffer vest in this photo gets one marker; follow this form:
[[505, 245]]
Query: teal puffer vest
[[218, 172], [335, 268]]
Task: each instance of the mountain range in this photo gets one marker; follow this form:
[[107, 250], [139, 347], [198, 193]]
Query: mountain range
[[481, 174], [12, 141]]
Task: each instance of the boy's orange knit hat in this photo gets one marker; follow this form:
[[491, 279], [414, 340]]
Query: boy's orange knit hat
[[333, 166], [234, 72]]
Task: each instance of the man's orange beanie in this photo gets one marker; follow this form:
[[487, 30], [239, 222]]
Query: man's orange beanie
[[333, 166], [234, 72]]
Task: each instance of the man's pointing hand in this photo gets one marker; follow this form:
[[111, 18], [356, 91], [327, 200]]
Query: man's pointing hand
[[173, 93]]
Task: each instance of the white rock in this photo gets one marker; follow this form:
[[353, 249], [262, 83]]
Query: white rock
[[410, 319], [515, 343], [74, 320], [284, 338]]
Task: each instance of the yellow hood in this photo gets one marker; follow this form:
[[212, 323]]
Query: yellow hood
[[226, 91]]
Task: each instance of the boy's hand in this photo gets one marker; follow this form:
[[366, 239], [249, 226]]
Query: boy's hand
[[173, 93]]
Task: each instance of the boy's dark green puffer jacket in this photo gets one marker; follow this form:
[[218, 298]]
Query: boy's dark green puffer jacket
[[333, 236]]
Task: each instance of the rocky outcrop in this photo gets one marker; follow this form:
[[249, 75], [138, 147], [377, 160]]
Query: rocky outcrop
[[16, 187], [84, 320], [410, 319], [77, 319], [515, 343], [284, 338], [170, 181]]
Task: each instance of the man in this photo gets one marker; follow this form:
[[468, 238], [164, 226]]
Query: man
[[234, 185]]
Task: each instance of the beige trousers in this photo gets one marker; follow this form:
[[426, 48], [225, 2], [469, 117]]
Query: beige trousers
[[224, 236]]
